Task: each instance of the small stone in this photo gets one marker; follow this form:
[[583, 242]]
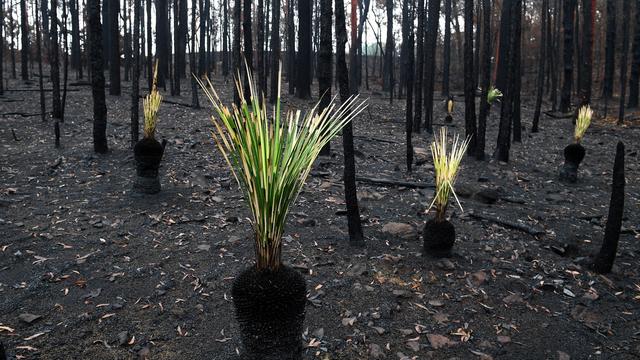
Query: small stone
[[478, 278], [413, 345], [401, 293], [378, 329], [402, 230], [123, 338], [376, 352], [512, 299], [144, 353], [406, 332], [503, 339], [204, 247], [307, 222], [563, 355], [446, 264], [29, 318]]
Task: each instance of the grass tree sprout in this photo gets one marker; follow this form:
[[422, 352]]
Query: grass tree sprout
[[271, 157], [493, 95], [446, 162], [582, 122], [450, 106], [151, 104]]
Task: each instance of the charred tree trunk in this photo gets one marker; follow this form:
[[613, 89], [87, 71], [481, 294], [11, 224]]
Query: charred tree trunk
[[24, 35], [135, 78], [97, 77], [225, 36], [407, 64], [237, 67], [478, 43], [586, 58], [202, 51], [43, 103], [446, 61], [149, 47], [430, 41], [275, 50], [76, 55], [261, 83], [114, 48], [126, 41], [567, 25], [469, 79], [541, 63], [485, 67], [626, 8], [356, 237], [66, 57], [303, 63], [417, 118], [517, 76], [325, 60], [388, 52], [610, 52], [162, 38], [54, 60], [2, 48], [195, 102], [552, 50], [607, 255], [634, 79], [248, 45], [177, 73]]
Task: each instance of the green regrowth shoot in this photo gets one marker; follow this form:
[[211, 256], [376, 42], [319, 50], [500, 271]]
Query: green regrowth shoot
[[151, 104], [446, 163], [493, 95], [271, 156], [582, 122]]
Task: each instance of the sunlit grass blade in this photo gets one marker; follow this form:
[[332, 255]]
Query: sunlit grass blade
[[151, 105], [582, 122]]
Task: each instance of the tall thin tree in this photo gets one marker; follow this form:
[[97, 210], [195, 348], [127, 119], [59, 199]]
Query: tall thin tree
[[446, 52], [325, 62], [417, 117], [469, 79], [610, 51], [135, 78], [485, 67], [54, 60], [114, 49], [97, 77], [567, 26], [634, 77], [43, 103], [544, 14], [303, 63], [275, 50], [430, 41], [24, 35], [626, 9]]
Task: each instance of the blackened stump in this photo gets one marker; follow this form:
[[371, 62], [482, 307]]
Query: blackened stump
[[270, 307], [439, 237], [573, 156], [604, 261], [148, 154]]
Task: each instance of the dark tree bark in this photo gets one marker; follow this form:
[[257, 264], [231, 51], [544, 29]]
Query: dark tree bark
[[607, 255], [65, 33], [12, 34], [24, 35], [43, 106], [356, 237], [76, 55], [478, 43], [586, 56], [2, 49], [261, 83], [126, 40], [508, 24], [183, 29], [303, 63], [237, 67], [195, 102], [54, 60], [97, 77], [106, 32], [275, 50], [485, 66], [430, 41], [567, 25], [446, 61], [610, 51], [388, 52], [408, 62], [202, 59], [114, 49], [177, 70], [626, 8], [417, 118], [325, 63], [44, 8], [469, 79], [162, 37], [541, 63], [291, 49], [634, 79], [225, 36], [553, 50], [135, 78], [517, 69], [149, 48]]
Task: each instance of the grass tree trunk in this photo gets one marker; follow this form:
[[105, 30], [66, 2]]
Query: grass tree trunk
[[541, 64], [485, 67], [97, 77], [275, 50], [605, 258], [430, 42], [303, 63], [114, 49], [446, 53], [356, 237], [417, 118], [610, 51], [567, 25], [626, 8], [469, 79], [634, 77], [135, 78], [24, 35], [54, 60], [325, 60]]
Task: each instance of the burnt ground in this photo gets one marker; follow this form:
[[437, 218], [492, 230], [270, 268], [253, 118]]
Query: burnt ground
[[91, 270]]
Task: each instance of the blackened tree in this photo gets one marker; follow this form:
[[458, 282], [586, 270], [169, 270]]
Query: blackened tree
[[517, 71], [544, 14], [610, 52], [388, 51], [446, 53], [325, 60], [54, 60], [43, 106], [2, 49], [149, 45], [135, 78], [303, 63], [260, 66], [195, 102], [408, 63], [567, 26], [247, 45], [24, 35], [237, 11], [586, 56], [624, 60], [291, 48], [485, 68], [76, 55], [275, 50], [114, 48], [97, 77], [417, 117], [162, 38], [225, 36], [430, 41], [634, 77], [469, 79]]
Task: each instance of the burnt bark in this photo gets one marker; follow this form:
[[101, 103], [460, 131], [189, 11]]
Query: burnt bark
[[417, 118], [43, 103], [135, 76], [446, 53], [634, 78], [237, 67], [430, 41], [114, 49], [162, 37], [626, 8], [24, 36], [54, 60], [567, 25], [586, 56], [247, 46], [387, 84], [541, 64], [610, 51], [97, 77], [225, 36], [303, 63], [76, 54], [469, 79], [485, 83], [275, 50], [195, 102], [408, 64], [325, 60]]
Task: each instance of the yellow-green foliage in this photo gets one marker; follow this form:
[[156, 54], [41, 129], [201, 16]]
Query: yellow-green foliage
[[151, 104], [493, 95], [446, 163], [582, 122], [449, 106], [271, 156]]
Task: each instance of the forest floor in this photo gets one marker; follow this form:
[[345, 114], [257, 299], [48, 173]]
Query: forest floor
[[91, 270]]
